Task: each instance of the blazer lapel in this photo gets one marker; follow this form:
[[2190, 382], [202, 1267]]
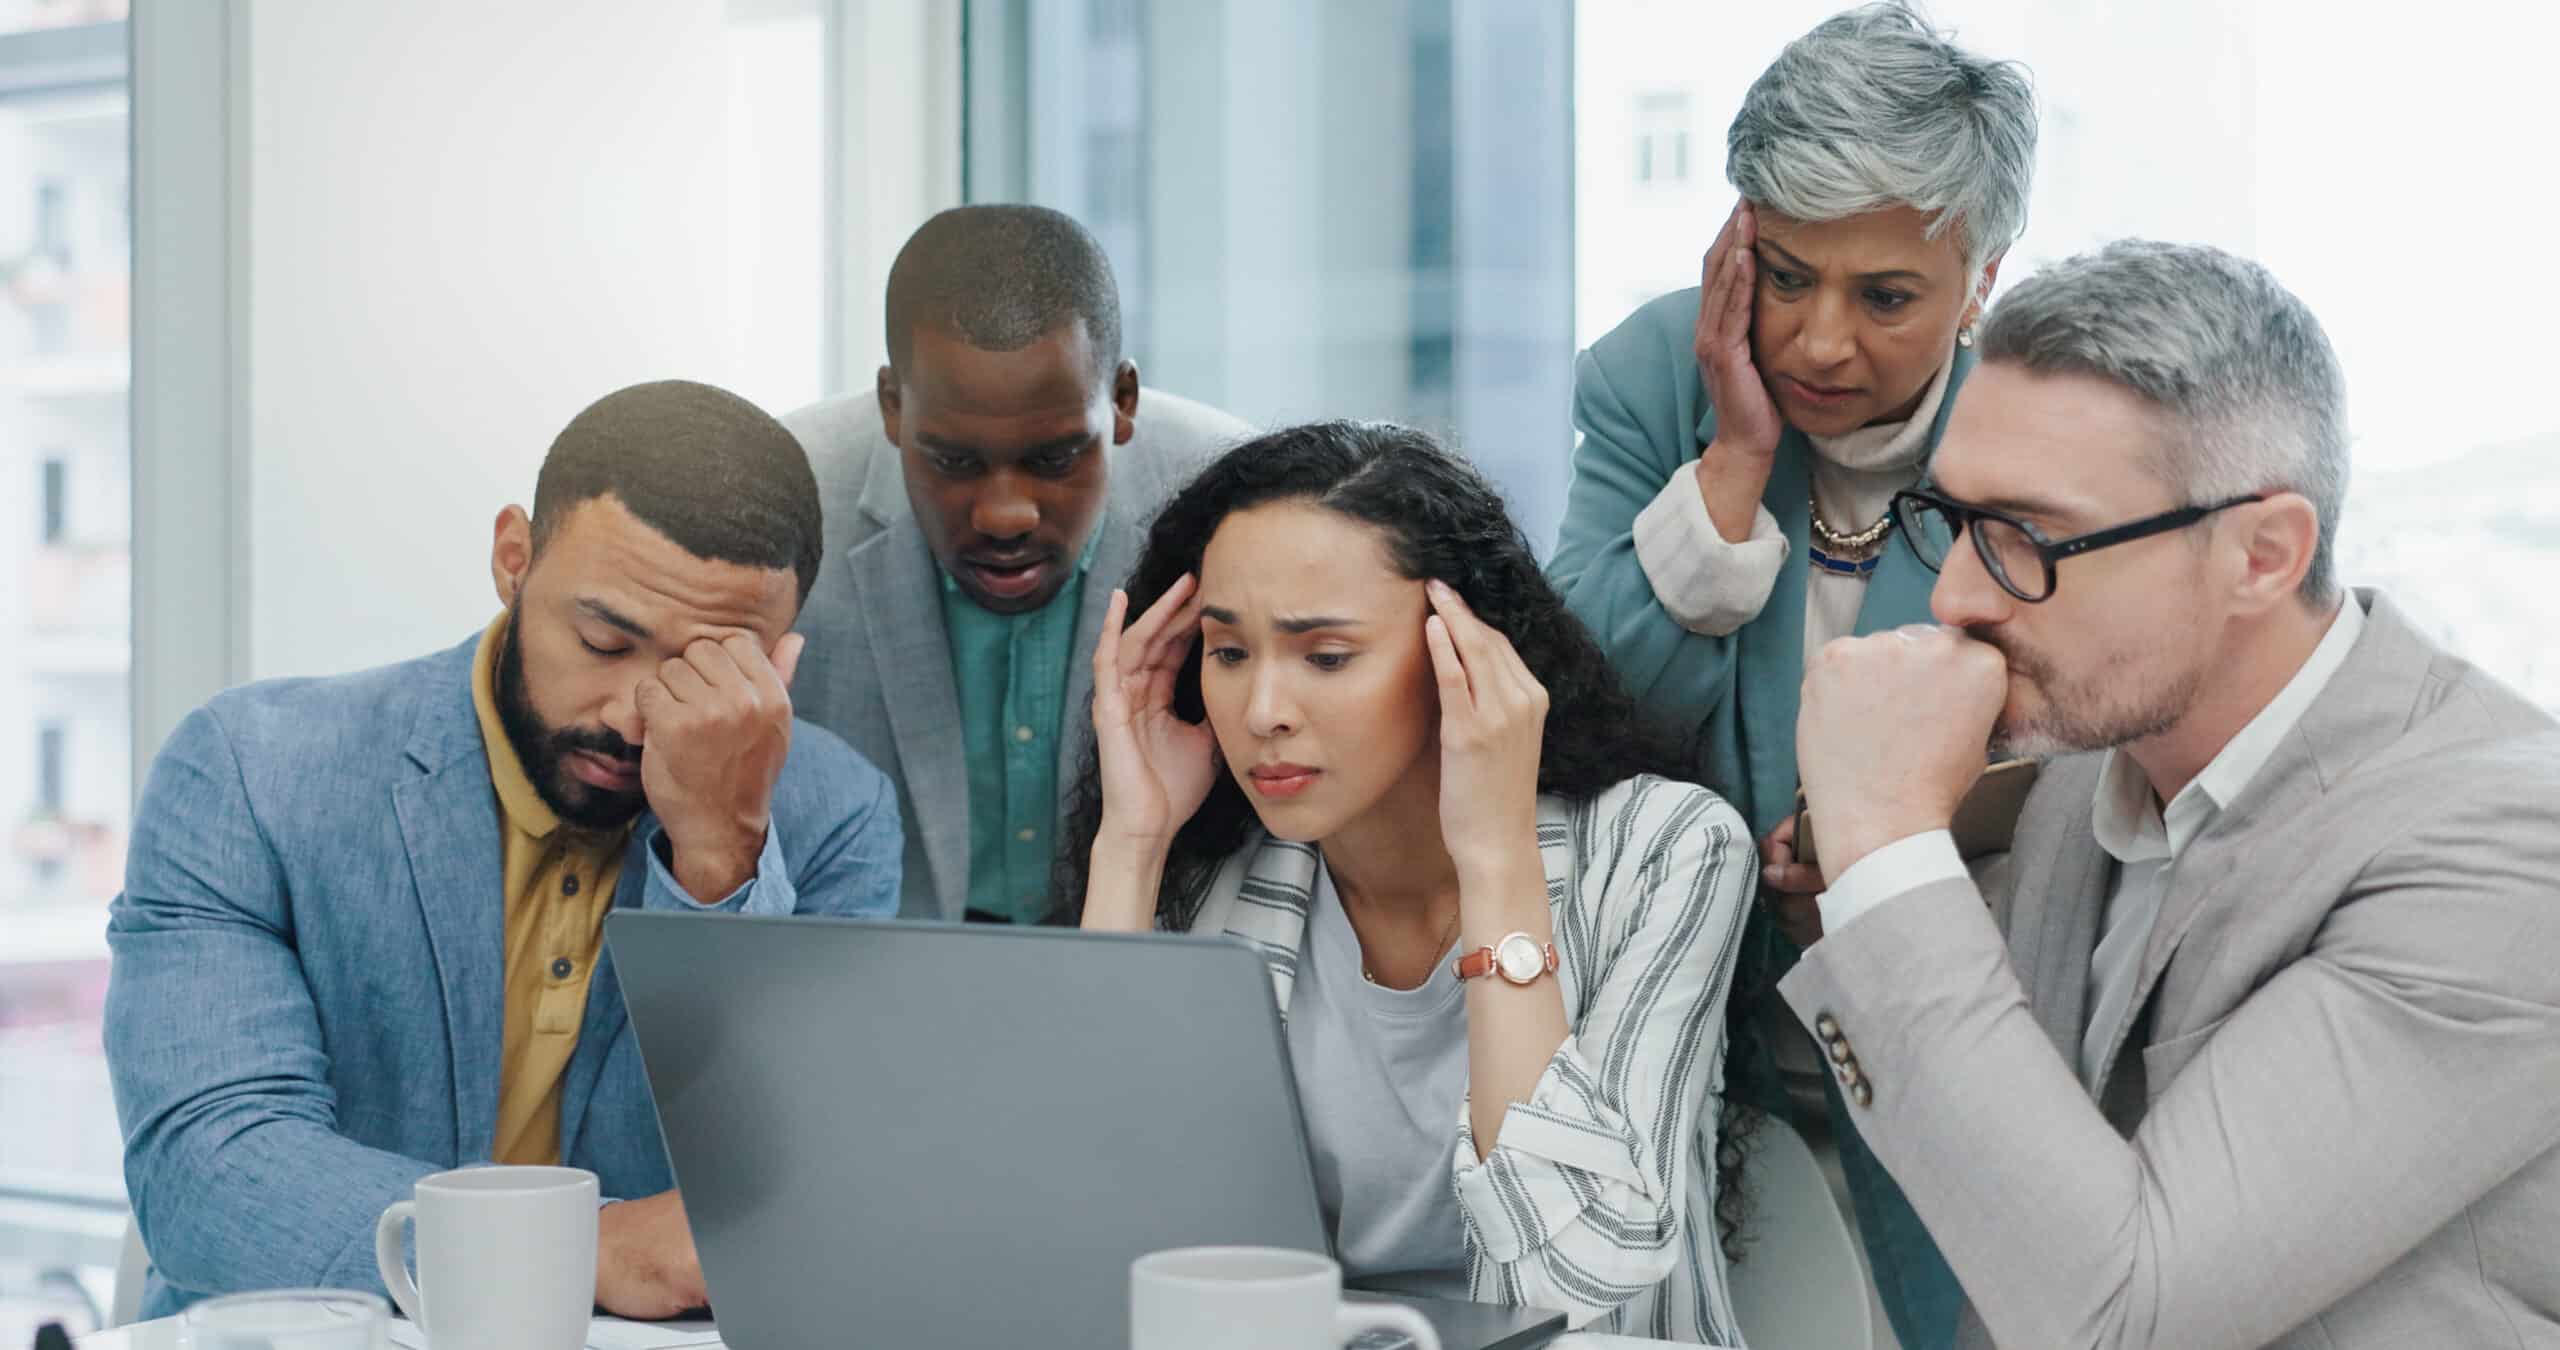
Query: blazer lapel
[[1115, 553], [1769, 650], [2365, 705], [2054, 913], [449, 825], [1264, 903], [901, 613]]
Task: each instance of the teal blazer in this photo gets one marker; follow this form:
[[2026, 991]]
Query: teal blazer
[[1642, 410]]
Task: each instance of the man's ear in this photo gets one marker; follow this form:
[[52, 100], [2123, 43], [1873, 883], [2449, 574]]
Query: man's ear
[[892, 406], [1124, 403], [2278, 539], [511, 553]]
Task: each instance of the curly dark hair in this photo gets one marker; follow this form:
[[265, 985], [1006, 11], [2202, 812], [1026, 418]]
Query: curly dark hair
[[1441, 520]]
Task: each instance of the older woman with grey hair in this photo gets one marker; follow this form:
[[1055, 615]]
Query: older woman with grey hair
[[1741, 443]]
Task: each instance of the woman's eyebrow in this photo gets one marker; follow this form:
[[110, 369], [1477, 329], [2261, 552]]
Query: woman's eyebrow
[[1791, 261], [1312, 623], [1307, 624]]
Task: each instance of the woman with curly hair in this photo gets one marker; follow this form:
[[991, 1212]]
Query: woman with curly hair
[[1355, 727]]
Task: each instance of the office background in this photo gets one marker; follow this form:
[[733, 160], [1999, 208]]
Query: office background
[[293, 294]]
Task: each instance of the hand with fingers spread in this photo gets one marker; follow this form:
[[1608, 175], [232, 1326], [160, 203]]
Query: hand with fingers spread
[[1156, 767], [1747, 421], [1734, 469], [1493, 721], [715, 729]]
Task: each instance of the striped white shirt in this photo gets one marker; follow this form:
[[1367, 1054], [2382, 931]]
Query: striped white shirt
[[1600, 1198]]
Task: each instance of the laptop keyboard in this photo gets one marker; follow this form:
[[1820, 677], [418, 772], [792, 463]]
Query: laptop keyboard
[[1380, 1340]]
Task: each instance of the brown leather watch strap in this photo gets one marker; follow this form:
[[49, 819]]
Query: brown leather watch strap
[[1484, 961]]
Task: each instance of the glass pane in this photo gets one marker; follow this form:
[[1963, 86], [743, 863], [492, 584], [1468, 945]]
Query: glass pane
[[23, 16], [65, 744], [2251, 125], [1333, 210]]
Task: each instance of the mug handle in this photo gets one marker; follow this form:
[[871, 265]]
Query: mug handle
[[1351, 1319], [389, 1240]]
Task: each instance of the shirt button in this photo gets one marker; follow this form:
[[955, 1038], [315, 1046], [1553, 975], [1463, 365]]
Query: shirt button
[[1024, 734], [569, 884], [1826, 1026], [560, 967], [1026, 836]]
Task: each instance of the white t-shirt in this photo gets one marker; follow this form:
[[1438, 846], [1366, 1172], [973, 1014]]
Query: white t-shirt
[[1381, 1075]]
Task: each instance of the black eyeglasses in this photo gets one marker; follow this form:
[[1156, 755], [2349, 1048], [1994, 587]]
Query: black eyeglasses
[[2015, 553]]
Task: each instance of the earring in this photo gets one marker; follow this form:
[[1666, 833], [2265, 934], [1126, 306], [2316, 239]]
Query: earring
[[1964, 336]]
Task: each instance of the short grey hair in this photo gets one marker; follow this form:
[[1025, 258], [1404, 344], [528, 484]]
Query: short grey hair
[[1875, 109], [2236, 361]]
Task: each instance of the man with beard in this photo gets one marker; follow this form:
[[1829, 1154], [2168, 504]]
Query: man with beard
[[361, 934], [2257, 1037], [999, 464]]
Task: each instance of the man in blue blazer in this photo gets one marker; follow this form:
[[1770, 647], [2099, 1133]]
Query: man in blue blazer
[[361, 934]]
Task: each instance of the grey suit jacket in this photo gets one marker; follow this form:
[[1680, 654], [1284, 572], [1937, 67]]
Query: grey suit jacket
[[2332, 1120], [877, 668]]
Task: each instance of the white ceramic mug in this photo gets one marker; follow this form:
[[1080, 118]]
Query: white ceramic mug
[[506, 1257], [1253, 1298]]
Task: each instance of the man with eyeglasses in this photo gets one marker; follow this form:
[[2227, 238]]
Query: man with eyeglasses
[[2253, 1037]]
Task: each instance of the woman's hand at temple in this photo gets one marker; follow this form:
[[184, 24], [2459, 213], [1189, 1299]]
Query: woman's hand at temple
[[1493, 721], [1734, 469], [1156, 767]]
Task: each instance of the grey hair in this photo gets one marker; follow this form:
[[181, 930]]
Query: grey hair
[[1875, 109], [2216, 343]]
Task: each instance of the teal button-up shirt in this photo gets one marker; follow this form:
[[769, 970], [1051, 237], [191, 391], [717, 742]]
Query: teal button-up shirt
[[1011, 674]]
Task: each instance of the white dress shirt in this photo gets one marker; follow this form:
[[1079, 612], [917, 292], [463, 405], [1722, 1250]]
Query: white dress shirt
[[2130, 825], [1710, 585]]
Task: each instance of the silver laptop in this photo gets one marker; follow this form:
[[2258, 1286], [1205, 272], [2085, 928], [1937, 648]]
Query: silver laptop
[[921, 1134]]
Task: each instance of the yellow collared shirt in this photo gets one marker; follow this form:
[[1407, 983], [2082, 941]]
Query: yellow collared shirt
[[559, 887]]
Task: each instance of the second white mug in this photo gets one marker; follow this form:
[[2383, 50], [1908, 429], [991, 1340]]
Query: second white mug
[[1253, 1298], [506, 1257]]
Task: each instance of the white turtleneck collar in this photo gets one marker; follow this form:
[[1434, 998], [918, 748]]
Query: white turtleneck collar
[[1889, 446]]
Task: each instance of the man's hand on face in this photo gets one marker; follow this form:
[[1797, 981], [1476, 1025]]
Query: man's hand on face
[[1893, 730], [646, 1267], [716, 726]]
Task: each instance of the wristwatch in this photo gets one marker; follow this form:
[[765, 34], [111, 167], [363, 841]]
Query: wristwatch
[[1518, 958]]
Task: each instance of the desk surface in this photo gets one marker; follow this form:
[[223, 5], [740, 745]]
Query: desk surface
[[163, 1335]]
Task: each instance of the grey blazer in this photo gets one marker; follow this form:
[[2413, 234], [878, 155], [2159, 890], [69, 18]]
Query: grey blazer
[[877, 668], [2331, 1120]]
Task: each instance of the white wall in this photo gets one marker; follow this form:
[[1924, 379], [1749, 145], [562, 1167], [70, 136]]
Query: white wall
[[464, 222]]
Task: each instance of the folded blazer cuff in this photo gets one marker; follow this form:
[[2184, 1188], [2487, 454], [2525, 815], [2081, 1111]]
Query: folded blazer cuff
[[769, 892], [1559, 1153]]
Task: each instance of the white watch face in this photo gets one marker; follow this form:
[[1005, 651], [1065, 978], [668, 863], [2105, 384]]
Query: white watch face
[[1520, 959]]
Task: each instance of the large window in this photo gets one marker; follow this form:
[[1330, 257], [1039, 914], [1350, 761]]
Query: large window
[[65, 739], [1359, 208]]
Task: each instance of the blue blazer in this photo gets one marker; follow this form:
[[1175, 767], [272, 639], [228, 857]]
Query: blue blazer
[[1643, 414], [306, 1004]]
